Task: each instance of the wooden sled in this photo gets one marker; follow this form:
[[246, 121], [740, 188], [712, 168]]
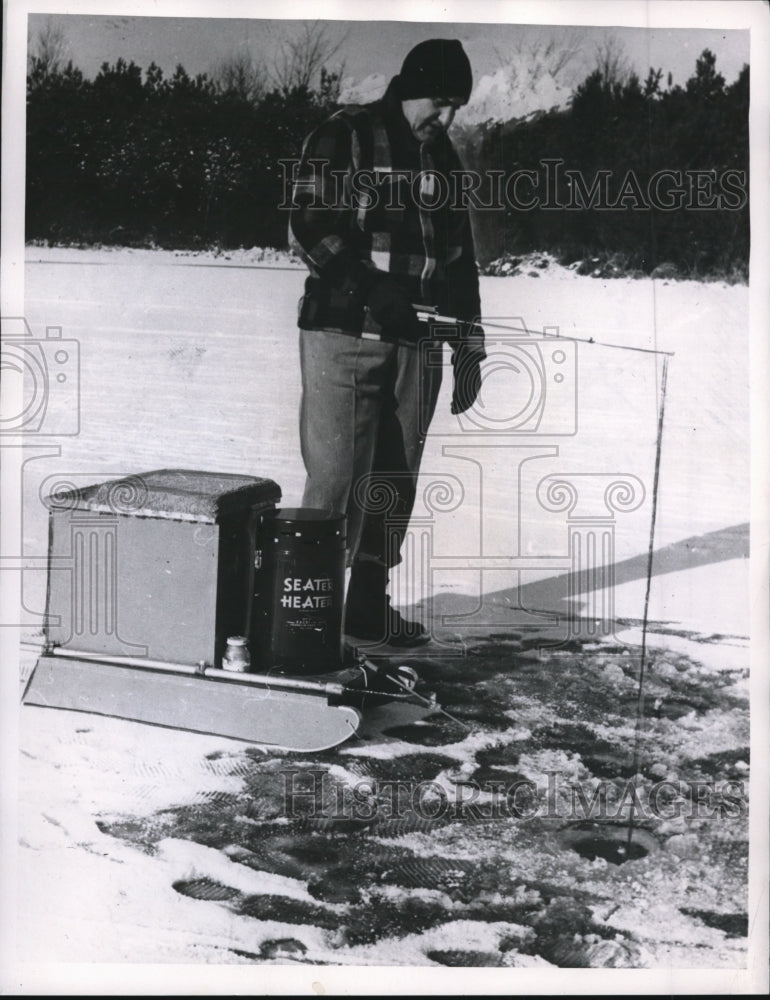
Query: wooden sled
[[301, 714]]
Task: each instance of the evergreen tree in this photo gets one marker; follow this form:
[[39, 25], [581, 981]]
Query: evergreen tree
[[139, 159]]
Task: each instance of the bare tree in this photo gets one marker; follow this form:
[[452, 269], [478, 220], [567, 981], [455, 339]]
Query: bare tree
[[241, 74], [301, 58], [544, 54], [611, 62], [47, 54]]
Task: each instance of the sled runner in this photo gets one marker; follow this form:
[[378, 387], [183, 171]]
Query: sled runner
[[304, 714]]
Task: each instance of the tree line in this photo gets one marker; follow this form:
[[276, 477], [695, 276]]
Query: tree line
[[143, 159], [139, 158], [633, 175]]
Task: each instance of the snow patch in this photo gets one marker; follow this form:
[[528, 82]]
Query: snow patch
[[724, 654], [189, 860], [371, 88], [518, 90]]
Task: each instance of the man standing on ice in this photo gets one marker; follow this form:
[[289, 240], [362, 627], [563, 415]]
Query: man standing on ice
[[380, 228]]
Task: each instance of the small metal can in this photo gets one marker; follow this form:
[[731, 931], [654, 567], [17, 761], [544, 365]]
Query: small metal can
[[236, 656]]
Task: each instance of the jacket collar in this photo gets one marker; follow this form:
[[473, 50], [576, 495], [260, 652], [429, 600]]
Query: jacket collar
[[389, 106]]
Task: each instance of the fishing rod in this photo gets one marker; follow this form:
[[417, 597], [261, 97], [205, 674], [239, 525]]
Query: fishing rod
[[404, 677], [431, 316]]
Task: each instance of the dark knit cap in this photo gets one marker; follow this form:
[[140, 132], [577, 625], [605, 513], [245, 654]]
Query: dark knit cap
[[436, 68]]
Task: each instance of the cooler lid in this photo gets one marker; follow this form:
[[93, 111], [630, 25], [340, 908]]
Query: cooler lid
[[179, 494]]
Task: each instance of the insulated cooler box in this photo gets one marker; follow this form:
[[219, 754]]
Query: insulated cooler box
[[157, 565]]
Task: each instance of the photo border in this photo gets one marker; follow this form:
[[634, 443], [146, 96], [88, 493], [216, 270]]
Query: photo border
[[219, 980]]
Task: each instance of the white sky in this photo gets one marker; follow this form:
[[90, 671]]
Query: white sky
[[379, 46]]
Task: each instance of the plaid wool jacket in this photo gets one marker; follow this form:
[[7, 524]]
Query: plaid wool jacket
[[369, 198]]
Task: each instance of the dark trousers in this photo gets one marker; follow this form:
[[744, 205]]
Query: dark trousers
[[366, 407]]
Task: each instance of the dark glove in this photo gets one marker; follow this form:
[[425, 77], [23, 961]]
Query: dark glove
[[466, 363], [390, 308]]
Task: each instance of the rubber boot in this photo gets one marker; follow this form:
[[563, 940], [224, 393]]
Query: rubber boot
[[368, 612]]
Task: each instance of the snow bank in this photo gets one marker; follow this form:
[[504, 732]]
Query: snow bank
[[252, 256]]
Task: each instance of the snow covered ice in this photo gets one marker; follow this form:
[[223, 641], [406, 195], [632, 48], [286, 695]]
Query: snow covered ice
[[190, 361]]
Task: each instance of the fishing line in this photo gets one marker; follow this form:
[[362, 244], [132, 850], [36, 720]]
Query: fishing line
[[643, 657], [428, 314], [579, 340]]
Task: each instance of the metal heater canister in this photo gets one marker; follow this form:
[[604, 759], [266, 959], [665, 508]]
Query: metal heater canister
[[300, 583]]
